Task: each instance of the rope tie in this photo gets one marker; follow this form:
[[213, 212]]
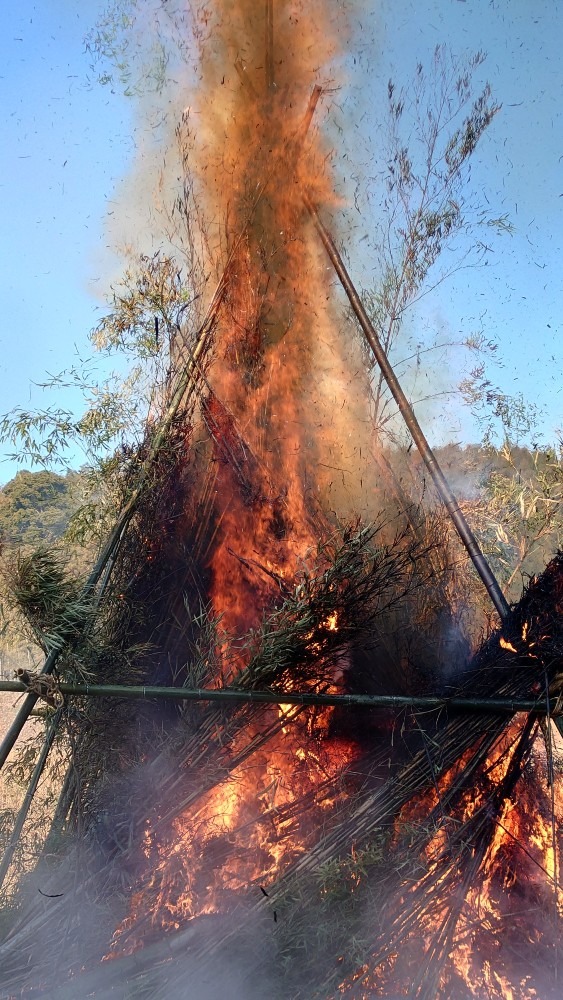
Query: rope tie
[[45, 686]]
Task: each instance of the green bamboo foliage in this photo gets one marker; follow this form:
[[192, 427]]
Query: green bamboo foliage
[[50, 602]]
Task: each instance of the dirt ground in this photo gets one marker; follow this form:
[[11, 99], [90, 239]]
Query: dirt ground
[[11, 795]]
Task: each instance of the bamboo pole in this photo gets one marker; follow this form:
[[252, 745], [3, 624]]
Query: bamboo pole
[[28, 799], [62, 808], [465, 533], [109, 553], [486, 705]]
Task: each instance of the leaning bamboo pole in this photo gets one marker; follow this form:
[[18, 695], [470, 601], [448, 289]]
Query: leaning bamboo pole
[[465, 533], [105, 563], [109, 552], [28, 798], [181, 396], [424, 703]]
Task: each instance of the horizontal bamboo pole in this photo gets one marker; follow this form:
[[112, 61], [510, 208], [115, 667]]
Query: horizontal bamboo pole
[[493, 706]]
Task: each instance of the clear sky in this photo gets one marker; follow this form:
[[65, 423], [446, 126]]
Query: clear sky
[[67, 141], [517, 171]]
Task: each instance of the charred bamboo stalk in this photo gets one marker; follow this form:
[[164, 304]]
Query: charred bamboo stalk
[[29, 795], [244, 78], [483, 705], [464, 531], [63, 808], [311, 108]]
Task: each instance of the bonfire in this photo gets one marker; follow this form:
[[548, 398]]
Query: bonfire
[[321, 806]]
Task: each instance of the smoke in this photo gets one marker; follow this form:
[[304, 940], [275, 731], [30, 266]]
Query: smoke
[[156, 50], [66, 912]]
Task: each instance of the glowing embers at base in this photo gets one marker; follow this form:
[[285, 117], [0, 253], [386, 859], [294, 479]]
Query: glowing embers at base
[[478, 912], [242, 833], [508, 924]]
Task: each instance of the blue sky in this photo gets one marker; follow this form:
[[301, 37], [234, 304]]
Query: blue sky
[[67, 143], [517, 170]]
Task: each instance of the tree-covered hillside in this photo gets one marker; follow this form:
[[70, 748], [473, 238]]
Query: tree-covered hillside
[[35, 507]]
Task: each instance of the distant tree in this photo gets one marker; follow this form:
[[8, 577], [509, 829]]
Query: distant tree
[[520, 514], [430, 229]]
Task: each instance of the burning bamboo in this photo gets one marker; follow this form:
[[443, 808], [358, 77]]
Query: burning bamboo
[[105, 562]]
